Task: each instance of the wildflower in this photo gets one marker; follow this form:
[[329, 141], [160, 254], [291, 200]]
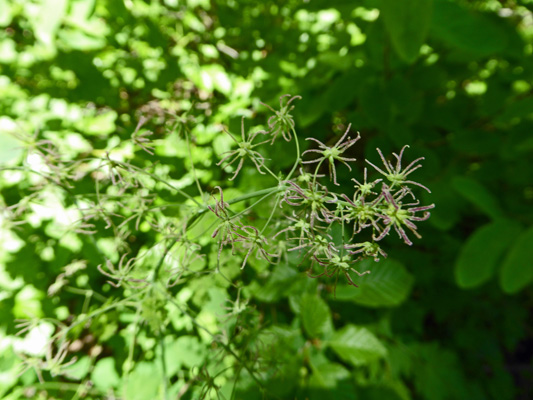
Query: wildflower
[[335, 265], [317, 245], [365, 188], [314, 197], [395, 174], [245, 150], [332, 154], [141, 139], [396, 215], [254, 241], [282, 122], [228, 227], [306, 177], [366, 249], [122, 273], [361, 213]]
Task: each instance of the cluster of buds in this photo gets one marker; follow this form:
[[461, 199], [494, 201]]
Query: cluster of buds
[[373, 209]]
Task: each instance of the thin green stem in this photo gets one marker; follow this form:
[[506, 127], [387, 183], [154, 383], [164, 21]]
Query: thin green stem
[[271, 215], [271, 173], [163, 365], [297, 155], [316, 171], [193, 169]]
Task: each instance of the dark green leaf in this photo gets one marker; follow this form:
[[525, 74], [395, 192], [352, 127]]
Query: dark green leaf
[[475, 192], [316, 316], [356, 345], [469, 31], [387, 285], [482, 251], [408, 23], [517, 269]]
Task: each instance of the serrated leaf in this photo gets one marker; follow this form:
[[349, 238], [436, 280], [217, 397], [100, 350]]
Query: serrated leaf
[[356, 345], [316, 316], [517, 268], [387, 285], [476, 193], [407, 23], [482, 251]]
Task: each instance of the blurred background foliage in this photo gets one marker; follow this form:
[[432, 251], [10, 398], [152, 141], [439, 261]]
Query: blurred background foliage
[[447, 319]]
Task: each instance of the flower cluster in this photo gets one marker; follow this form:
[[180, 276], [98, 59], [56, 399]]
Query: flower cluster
[[331, 230]]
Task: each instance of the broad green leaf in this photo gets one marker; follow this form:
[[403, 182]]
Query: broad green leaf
[[10, 148], [387, 285], [356, 345], [143, 383], [467, 30], [80, 369], [517, 269], [327, 375], [48, 19], [476, 193], [6, 14], [408, 23], [482, 252], [316, 316], [185, 351], [104, 375]]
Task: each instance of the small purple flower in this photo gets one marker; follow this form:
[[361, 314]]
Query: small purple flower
[[228, 226], [282, 121], [332, 154], [254, 241], [366, 249], [395, 174], [335, 265], [244, 150], [396, 215], [314, 198]]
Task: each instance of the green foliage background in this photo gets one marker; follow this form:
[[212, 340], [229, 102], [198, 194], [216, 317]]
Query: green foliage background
[[446, 319]]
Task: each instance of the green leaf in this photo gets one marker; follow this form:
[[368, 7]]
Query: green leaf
[[407, 23], [105, 375], [80, 369], [10, 148], [482, 251], [471, 32], [387, 285], [356, 345], [316, 316], [327, 375], [476, 193], [143, 383], [48, 19], [517, 269]]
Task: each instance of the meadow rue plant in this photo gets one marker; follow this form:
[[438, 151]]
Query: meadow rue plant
[[376, 205], [327, 228]]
